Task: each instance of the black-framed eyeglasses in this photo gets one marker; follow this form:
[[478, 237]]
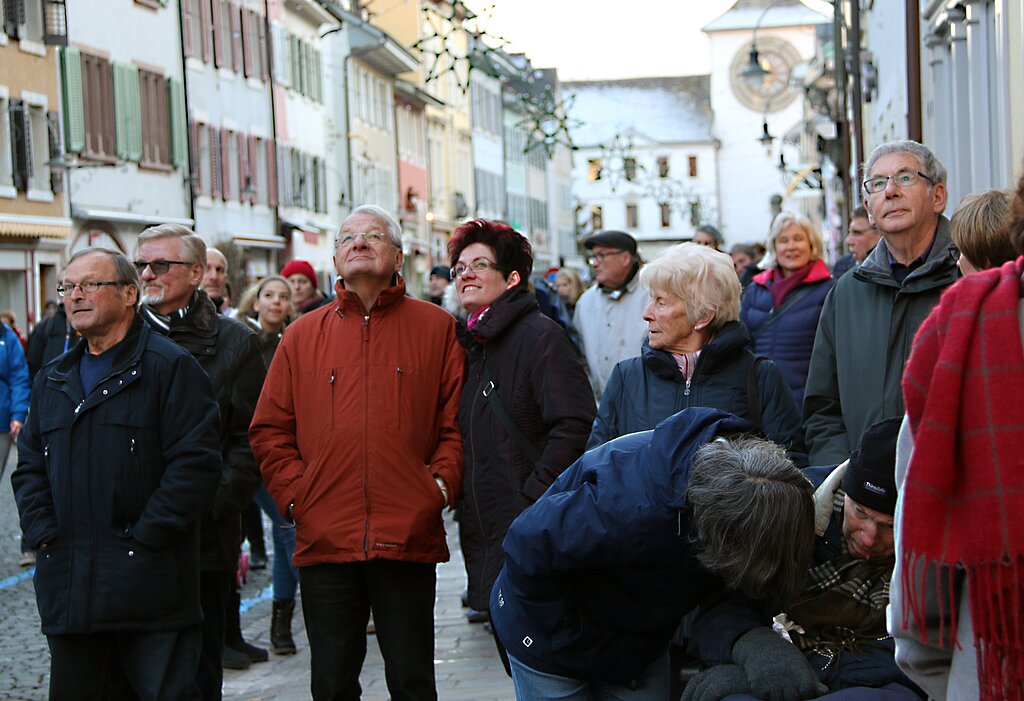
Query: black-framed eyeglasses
[[478, 266], [905, 178], [89, 287], [596, 258], [159, 267]]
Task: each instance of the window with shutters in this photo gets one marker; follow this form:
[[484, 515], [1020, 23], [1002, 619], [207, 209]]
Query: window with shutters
[[195, 28], [30, 147], [666, 215], [98, 108], [662, 166], [229, 164], [264, 48], [258, 163], [204, 164], [248, 43], [23, 19], [596, 217], [156, 133], [216, 178], [127, 112], [632, 216], [6, 154], [227, 43]]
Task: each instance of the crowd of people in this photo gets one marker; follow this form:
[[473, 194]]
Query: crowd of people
[[706, 476]]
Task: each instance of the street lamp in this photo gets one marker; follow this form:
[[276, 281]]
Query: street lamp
[[754, 73]]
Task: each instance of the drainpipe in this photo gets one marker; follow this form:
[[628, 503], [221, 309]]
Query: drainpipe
[[188, 130], [913, 22]]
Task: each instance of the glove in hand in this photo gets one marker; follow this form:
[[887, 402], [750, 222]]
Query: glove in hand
[[775, 667], [716, 683]]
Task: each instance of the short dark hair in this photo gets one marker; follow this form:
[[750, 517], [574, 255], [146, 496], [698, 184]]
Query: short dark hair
[[511, 249], [859, 212], [754, 514]]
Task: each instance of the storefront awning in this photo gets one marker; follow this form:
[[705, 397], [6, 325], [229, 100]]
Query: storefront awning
[[10, 227]]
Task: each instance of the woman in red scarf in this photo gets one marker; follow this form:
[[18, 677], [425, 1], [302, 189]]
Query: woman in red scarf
[[781, 306], [958, 591]]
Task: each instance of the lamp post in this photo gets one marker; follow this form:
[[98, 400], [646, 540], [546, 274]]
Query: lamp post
[[754, 71]]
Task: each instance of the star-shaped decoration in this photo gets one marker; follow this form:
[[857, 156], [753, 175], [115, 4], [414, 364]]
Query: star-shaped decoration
[[456, 42], [547, 121], [619, 162]]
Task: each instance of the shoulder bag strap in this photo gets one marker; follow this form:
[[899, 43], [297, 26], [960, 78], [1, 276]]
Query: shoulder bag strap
[[491, 392]]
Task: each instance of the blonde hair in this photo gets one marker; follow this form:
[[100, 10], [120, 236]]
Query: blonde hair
[[979, 228], [781, 221], [572, 277], [702, 277]]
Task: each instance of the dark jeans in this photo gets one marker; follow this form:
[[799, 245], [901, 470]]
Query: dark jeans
[[285, 576], [336, 604], [214, 591], [158, 666]]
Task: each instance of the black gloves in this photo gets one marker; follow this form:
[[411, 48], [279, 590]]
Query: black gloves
[[776, 668], [716, 683]]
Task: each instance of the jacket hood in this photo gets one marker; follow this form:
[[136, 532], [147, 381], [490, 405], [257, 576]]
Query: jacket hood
[[939, 268], [730, 340], [505, 311]]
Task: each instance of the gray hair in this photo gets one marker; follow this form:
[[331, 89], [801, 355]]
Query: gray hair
[[783, 220], [754, 514], [930, 165], [393, 227], [125, 271], [704, 278], [193, 248]]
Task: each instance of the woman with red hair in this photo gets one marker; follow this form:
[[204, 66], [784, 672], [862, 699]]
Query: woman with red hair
[[527, 406]]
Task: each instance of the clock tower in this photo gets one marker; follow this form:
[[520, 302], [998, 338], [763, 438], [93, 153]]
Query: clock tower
[[746, 106]]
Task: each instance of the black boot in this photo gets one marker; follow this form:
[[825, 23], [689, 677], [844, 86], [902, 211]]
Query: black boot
[[281, 641], [233, 639]]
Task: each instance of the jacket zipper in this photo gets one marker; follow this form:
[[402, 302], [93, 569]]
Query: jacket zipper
[[331, 383], [398, 397], [366, 429]]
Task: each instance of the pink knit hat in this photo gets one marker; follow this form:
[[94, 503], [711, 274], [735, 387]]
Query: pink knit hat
[[301, 267]]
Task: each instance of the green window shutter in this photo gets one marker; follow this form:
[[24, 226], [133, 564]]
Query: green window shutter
[[134, 113], [176, 104], [120, 112], [74, 106], [127, 112]]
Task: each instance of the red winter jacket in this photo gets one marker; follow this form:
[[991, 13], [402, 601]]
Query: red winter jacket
[[357, 417]]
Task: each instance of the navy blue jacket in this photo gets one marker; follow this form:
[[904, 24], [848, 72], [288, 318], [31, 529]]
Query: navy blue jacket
[[600, 570], [114, 484], [644, 390], [787, 337]]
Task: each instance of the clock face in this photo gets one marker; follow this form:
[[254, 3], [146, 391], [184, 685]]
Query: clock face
[[772, 92]]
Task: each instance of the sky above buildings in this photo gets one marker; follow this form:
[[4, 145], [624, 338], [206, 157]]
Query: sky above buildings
[[606, 39]]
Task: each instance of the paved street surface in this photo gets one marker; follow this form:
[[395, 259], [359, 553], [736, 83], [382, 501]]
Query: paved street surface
[[466, 662]]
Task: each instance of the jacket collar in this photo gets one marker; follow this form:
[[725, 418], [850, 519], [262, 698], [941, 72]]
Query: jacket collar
[[505, 311], [128, 355], [200, 319], [730, 340], [938, 270], [348, 302]]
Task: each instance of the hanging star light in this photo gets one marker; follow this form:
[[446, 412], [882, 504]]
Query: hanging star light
[[547, 121], [619, 162], [456, 42]]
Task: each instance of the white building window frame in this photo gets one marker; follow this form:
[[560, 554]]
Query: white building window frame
[[6, 155], [38, 105]]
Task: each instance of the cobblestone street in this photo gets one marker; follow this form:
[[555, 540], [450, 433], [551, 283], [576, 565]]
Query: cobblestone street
[[466, 662]]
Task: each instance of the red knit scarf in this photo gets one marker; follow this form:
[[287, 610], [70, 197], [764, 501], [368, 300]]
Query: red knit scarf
[[963, 501]]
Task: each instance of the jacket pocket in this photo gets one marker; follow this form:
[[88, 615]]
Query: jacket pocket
[[132, 446], [52, 583], [134, 582]]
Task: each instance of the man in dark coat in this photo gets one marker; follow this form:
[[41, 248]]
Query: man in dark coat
[[869, 319], [172, 261], [117, 461]]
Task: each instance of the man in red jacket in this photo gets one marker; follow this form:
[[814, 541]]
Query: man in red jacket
[[357, 437]]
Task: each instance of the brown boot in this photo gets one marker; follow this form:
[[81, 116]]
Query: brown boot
[[281, 641]]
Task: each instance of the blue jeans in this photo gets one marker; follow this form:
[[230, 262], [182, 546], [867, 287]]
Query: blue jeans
[[285, 576], [531, 685]]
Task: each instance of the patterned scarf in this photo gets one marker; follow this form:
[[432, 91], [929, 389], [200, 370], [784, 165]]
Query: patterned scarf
[[842, 606], [963, 502]]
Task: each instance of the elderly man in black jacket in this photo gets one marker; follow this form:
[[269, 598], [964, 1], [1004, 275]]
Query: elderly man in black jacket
[[117, 461], [171, 261]]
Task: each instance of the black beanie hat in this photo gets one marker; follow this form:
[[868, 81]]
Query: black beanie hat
[[870, 478]]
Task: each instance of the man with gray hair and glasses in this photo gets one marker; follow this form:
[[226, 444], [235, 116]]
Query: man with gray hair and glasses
[[869, 319], [357, 436], [171, 260], [118, 460]]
